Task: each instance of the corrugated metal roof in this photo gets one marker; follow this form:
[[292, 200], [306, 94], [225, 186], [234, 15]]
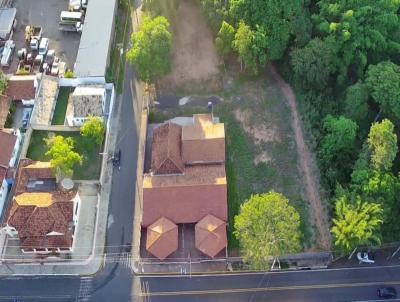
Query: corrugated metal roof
[[96, 39], [7, 16]]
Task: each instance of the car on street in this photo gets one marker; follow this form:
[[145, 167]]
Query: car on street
[[365, 257], [116, 159], [386, 292]]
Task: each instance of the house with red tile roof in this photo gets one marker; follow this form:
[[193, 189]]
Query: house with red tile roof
[[186, 181], [41, 215], [19, 88], [10, 142]]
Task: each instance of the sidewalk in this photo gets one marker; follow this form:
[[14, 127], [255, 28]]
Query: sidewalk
[[95, 261], [382, 257]]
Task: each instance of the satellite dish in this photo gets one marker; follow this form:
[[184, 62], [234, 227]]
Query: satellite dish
[[67, 184]]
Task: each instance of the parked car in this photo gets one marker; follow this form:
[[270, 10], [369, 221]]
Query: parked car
[[55, 67], [386, 292], [26, 116], [44, 46], [7, 53], [365, 257]]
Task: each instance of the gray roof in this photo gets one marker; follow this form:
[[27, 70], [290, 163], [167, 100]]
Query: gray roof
[[96, 39], [7, 16]]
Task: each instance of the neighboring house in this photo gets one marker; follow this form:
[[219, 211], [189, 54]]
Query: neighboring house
[[87, 101], [4, 108], [46, 100], [22, 88], [19, 88], [10, 142], [41, 215], [187, 180]]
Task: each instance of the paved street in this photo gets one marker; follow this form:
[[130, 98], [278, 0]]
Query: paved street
[[356, 284]]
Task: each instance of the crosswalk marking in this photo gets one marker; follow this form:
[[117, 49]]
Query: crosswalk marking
[[124, 259], [85, 289]]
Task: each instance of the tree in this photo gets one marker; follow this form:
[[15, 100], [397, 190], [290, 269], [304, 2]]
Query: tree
[[356, 102], [274, 17], [151, 47], [267, 226], [3, 82], [364, 32], [94, 129], [382, 142], [356, 223], [243, 45], [313, 65], [340, 134], [383, 81], [63, 156], [337, 148], [216, 11], [224, 39]]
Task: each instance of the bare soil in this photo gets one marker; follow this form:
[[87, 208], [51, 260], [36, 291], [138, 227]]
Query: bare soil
[[194, 57], [318, 211]]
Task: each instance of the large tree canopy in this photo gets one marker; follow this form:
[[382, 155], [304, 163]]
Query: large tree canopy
[[224, 39], [382, 142], [267, 226], [151, 47], [383, 81], [313, 64], [356, 102], [364, 32], [356, 223], [94, 129], [274, 17], [62, 154]]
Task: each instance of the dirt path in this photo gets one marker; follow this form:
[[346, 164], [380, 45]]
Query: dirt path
[[194, 57], [317, 209]]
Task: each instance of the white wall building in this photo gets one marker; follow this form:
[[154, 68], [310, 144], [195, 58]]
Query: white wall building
[[10, 142], [87, 101]]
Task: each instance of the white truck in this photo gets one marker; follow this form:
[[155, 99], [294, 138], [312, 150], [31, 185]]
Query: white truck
[[71, 21], [7, 53], [43, 46]]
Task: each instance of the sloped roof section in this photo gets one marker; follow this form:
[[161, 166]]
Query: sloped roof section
[[210, 235], [203, 141], [21, 87], [7, 144], [4, 107], [162, 238], [166, 150], [35, 220]]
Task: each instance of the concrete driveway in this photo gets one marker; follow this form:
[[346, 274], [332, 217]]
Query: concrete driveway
[[45, 13]]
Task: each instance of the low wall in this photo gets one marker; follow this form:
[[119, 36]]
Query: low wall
[[139, 185]]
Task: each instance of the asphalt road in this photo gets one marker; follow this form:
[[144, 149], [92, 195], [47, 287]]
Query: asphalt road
[[355, 284]]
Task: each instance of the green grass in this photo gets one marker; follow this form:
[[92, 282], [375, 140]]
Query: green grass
[[90, 168], [117, 62], [267, 107], [240, 170], [61, 106]]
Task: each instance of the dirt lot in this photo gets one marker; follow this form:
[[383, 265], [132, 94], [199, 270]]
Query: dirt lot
[[45, 13], [194, 57]]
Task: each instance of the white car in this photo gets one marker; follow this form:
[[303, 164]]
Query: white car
[[365, 257], [44, 46]]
